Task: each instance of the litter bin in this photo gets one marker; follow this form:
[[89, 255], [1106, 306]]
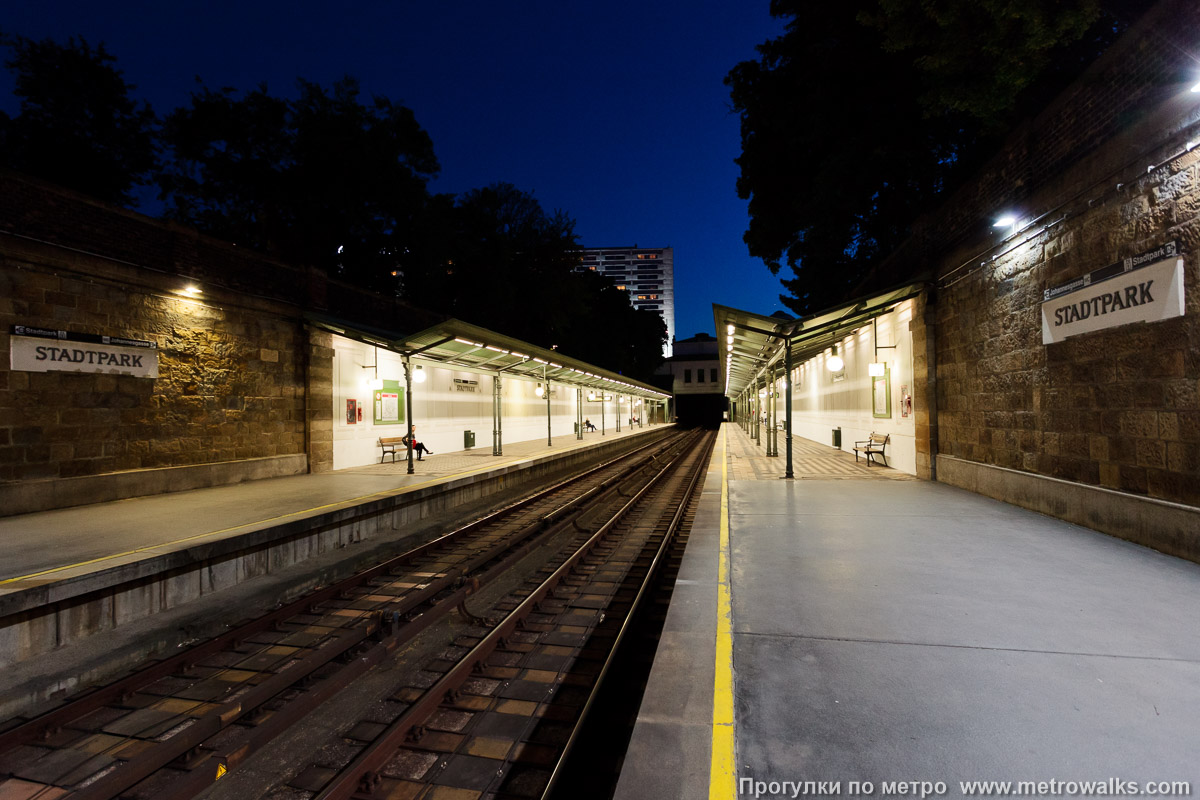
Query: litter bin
[[837, 438], [576, 428], [468, 439]]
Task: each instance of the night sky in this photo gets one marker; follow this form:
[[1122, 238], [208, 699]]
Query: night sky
[[614, 112]]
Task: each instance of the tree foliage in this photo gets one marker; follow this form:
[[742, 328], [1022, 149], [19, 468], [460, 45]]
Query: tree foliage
[[326, 179], [77, 125], [862, 114]]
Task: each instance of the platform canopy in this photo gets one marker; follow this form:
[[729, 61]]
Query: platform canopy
[[459, 344], [752, 342]]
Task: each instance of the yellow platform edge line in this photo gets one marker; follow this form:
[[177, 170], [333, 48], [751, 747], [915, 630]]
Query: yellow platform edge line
[[722, 777]]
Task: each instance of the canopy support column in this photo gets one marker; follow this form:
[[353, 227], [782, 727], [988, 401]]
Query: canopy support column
[[546, 386], [408, 409], [578, 412], [787, 406], [497, 418]]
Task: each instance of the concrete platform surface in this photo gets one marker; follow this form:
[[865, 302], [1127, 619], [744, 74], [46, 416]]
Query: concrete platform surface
[[37, 547], [887, 630]]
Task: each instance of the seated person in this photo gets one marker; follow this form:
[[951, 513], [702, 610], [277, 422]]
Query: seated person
[[416, 446]]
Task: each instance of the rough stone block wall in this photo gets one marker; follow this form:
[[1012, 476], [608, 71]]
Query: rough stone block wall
[[1118, 408], [230, 385]]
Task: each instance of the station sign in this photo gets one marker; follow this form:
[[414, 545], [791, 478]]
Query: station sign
[[44, 350], [1147, 287]]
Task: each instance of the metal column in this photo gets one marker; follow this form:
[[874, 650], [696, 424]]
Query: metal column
[[772, 441], [546, 384], [578, 412], [601, 412], [408, 409], [757, 414], [497, 418], [617, 397], [787, 406]]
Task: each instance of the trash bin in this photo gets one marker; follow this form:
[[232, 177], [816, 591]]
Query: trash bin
[[576, 427], [837, 438], [468, 439]]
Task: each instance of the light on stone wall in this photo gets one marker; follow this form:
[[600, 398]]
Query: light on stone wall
[[1006, 221], [876, 369]]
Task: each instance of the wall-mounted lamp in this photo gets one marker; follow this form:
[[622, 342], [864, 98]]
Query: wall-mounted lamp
[[835, 363], [375, 383], [877, 368], [729, 329], [1006, 221], [1196, 88], [191, 290]]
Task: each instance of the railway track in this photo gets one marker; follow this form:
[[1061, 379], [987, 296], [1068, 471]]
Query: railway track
[[498, 714], [177, 725]]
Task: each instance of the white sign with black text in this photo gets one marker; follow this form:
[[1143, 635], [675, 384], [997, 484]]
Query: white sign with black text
[[1147, 294], [38, 354]]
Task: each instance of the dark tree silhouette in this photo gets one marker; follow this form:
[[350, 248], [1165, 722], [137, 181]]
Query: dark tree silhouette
[[77, 125], [325, 179], [864, 113]]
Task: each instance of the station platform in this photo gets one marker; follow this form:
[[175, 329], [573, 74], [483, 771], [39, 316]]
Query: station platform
[[68, 574], [870, 627]]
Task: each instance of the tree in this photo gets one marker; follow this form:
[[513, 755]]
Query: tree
[[862, 115], [325, 179], [77, 125]]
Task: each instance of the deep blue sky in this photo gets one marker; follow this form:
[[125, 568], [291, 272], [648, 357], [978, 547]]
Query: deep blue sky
[[613, 111]]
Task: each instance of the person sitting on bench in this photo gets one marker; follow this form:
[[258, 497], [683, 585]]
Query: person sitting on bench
[[416, 446], [588, 426]]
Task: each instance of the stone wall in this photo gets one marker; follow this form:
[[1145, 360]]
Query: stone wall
[[244, 385], [1116, 408], [230, 385]]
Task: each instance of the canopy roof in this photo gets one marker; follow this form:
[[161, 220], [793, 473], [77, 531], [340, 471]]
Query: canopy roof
[[465, 346], [753, 341]]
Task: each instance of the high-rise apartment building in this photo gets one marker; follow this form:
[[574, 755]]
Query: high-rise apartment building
[[647, 273]]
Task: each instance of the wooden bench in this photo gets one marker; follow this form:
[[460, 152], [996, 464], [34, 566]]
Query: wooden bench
[[391, 445], [873, 446]]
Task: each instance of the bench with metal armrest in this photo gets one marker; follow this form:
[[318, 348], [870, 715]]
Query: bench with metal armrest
[[873, 446], [391, 445]]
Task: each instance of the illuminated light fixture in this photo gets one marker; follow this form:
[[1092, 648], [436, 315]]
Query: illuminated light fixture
[[540, 361], [191, 290], [1196, 88], [876, 369], [376, 384], [1006, 221], [729, 339], [729, 328], [464, 341], [729, 347], [835, 363], [419, 374], [496, 349], [518, 355], [540, 390]]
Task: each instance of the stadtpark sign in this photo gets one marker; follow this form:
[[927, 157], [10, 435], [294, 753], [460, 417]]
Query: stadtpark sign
[[1147, 287], [44, 350]]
